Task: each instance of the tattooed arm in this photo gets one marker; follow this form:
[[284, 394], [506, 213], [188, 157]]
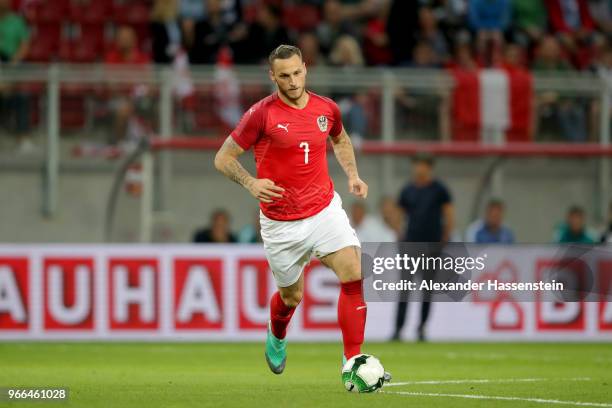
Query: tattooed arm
[[226, 161], [343, 149]]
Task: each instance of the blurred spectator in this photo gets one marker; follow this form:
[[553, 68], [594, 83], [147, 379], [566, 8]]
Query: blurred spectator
[[606, 237], [569, 16], [347, 54], [265, 34], [574, 229], [571, 21], [529, 20], [332, 26], [220, 27], [489, 16], [251, 233], [370, 228], [190, 12], [194, 10], [491, 229], [514, 57], [428, 206], [376, 40], [218, 231], [165, 31], [463, 57], [360, 9], [568, 112], [401, 29], [14, 35], [601, 10], [227, 90], [430, 34], [451, 14], [489, 19], [125, 52], [424, 56], [308, 43], [14, 46]]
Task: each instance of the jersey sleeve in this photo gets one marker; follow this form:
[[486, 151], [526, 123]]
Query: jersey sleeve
[[250, 128], [337, 128]]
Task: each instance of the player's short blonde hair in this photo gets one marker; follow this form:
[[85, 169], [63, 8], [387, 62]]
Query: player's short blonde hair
[[284, 51]]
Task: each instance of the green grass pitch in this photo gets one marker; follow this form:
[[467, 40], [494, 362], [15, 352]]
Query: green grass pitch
[[236, 375]]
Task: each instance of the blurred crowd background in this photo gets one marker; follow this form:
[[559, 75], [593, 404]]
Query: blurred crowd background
[[82, 80], [539, 36]]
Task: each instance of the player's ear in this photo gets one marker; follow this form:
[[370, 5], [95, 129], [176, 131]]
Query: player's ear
[[271, 75]]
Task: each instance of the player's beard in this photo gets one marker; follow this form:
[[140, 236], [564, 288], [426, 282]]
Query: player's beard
[[292, 96]]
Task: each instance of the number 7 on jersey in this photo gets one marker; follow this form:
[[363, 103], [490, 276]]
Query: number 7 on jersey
[[304, 145]]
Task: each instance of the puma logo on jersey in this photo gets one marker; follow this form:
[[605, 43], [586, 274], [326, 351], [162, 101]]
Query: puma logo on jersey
[[285, 127], [361, 307]]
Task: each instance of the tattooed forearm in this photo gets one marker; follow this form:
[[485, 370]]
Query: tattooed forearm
[[227, 163], [343, 149]]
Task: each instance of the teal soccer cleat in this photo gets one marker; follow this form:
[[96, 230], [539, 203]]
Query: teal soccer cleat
[[276, 352]]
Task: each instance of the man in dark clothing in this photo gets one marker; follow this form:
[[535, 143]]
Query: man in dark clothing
[[401, 29], [429, 209], [263, 36], [217, 232]]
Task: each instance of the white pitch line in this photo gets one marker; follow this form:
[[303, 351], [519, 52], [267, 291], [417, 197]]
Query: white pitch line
[[484, 381], [499, 398]]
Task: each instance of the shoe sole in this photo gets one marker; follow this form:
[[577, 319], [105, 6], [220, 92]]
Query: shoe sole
[[276, 369]]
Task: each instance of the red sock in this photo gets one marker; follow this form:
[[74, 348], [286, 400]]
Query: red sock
[[280, 315], [352, 312]]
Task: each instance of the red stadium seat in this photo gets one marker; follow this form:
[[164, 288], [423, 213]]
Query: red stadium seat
[[92, 12], [136, 13], [92, 33], [44, 44], [301, 17], [47, 11], [42, 50]]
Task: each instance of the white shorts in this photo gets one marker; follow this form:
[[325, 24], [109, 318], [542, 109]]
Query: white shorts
[[290, 244]]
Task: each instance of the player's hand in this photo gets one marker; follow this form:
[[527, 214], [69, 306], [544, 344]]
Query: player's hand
[[265, 190], [358, 187]]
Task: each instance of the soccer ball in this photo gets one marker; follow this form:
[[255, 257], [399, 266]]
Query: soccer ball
[[363, 373]]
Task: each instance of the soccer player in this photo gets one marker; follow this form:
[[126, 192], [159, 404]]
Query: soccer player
[[301, 214]]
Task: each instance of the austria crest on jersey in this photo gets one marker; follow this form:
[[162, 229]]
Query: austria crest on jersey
[[322, 122]]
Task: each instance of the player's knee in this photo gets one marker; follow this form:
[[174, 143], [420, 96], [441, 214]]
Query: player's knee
[[350, 271], [292, 299]]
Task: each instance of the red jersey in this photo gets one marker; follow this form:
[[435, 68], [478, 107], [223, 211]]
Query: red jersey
[[290, 147]]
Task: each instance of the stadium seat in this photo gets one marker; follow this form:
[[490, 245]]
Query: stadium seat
[[81, 50], [92, 12], [47, 11], [44, 44], [94, 34], [302, 17], [73, 112], [136, 13], [42, 50]]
